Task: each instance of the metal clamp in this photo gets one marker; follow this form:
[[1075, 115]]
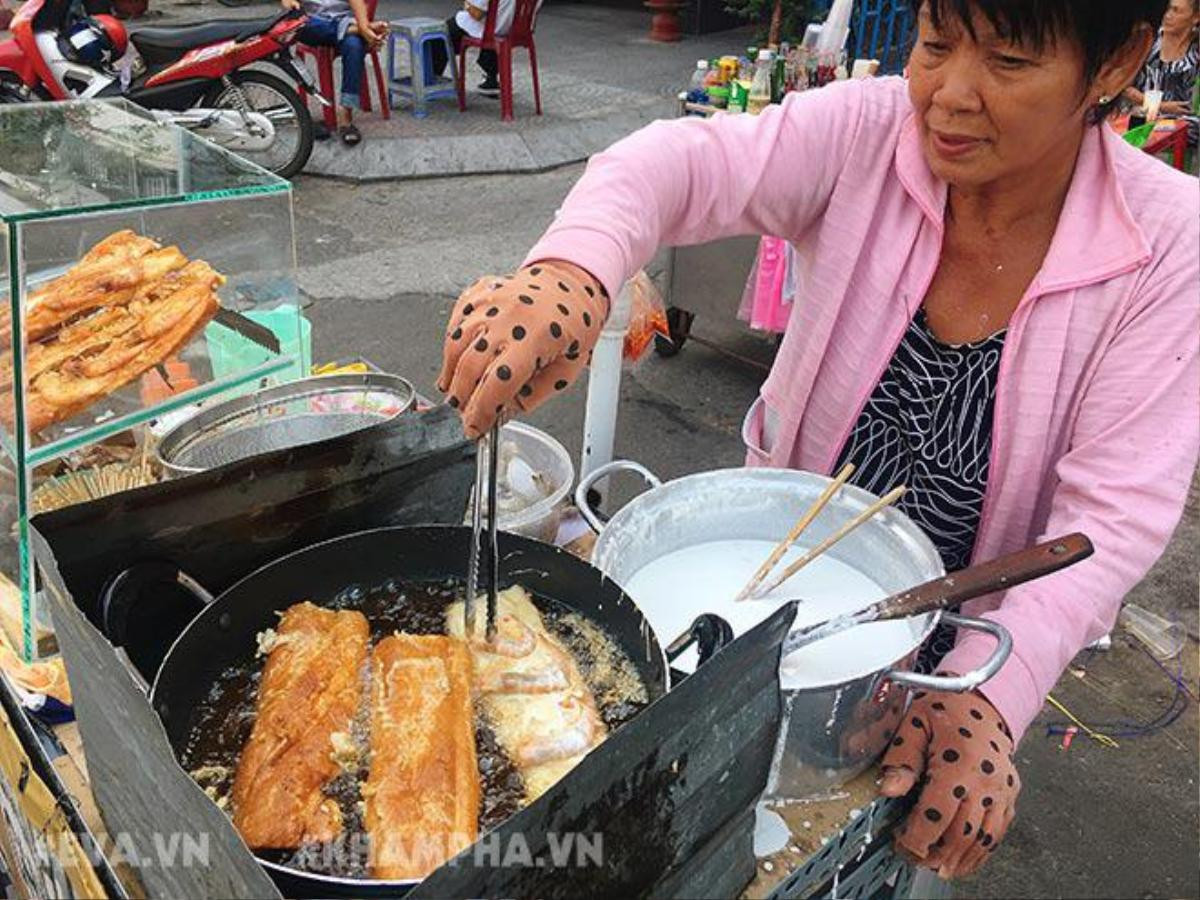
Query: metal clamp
[[587, 482], [960, 684]]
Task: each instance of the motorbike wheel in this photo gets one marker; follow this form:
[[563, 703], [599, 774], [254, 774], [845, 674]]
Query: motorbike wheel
[[13, 91], [272, 96]]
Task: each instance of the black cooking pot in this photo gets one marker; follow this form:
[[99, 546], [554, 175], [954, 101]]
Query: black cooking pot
[[224, 632]]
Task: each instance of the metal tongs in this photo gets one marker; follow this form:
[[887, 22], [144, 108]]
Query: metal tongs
[[486, 468]]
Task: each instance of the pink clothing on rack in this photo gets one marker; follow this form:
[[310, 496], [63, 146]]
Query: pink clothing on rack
[[769, 306], [1097, 417]]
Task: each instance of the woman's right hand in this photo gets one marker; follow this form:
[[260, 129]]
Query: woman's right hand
[[515, 340]]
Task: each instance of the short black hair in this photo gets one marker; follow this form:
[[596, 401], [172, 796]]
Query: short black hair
[[1099, 27]]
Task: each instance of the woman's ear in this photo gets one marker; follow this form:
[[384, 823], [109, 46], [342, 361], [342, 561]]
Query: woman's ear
[[1119, 70]]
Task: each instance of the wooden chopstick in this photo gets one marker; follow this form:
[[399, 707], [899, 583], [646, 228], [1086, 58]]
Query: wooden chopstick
[[805, 520], [885, 501]]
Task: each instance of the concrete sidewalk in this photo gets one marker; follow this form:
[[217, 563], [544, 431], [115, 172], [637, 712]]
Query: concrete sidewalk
[[601, 78]]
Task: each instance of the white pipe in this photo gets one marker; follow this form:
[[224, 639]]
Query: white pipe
[[604, 387]]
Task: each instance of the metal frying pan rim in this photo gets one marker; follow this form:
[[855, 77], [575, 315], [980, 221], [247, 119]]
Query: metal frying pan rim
[[373, 885]]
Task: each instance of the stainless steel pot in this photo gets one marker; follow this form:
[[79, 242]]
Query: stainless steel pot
[[832, 732]]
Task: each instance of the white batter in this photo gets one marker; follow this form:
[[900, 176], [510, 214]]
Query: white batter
[[674, 589]]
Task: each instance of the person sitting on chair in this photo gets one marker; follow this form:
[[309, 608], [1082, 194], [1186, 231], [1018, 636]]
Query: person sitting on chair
[[346, 25], [470, 21], [1173, 65]]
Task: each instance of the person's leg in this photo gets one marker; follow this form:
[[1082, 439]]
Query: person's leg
[[353, 50], [319, 31], [437, 51], [490, 65]]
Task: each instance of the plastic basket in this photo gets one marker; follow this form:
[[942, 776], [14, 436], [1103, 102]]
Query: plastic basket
[[231, 352]]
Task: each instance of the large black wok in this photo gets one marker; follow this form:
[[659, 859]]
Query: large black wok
[[223, 633]]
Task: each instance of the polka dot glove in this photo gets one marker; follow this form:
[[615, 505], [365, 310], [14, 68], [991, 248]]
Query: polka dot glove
[[513, 341], [958, 748]]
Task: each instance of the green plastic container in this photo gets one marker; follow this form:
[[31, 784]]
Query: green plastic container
[[1138, 136], [232, 353]]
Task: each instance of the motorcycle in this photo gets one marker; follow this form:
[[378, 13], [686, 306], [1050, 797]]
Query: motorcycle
[[195, 76]]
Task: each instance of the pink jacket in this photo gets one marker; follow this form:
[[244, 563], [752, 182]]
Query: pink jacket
[[1097, 419]]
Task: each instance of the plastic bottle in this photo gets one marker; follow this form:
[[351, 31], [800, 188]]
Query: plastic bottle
[[760, 89], [697, 92], [745, 69], [811, 69], [739, 88], [779, 79], [841, 73], [715, 74]]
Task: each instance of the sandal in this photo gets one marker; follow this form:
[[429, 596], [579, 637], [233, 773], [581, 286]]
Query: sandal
[[350, 135]]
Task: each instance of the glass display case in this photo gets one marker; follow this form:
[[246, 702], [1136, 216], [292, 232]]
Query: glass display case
[[146, 269]]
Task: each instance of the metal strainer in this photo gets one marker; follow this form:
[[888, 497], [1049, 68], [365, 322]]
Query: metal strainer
[[290, 415]]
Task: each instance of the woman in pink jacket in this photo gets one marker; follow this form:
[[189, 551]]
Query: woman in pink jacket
[[999, 309]]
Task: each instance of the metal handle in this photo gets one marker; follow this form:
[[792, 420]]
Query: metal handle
[[193, 587], [587, 482], [127, 664], [708, 631], [121, 593], [960, 684], [999, 574]]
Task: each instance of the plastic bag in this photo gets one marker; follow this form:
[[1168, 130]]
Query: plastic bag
[[647, 319]]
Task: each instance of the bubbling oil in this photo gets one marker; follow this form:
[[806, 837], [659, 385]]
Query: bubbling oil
[[221, 724]]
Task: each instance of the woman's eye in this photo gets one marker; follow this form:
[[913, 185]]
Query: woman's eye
[[935, 47], [1010, 62]]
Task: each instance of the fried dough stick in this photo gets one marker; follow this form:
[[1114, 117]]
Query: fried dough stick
[[59, 394], [422, 794], [311, 687], [107, 283], [93, 333]]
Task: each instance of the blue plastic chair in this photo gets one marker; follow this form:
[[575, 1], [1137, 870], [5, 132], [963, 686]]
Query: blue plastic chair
[[420, 33]]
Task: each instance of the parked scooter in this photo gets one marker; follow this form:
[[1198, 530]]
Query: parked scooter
[[193, 75]]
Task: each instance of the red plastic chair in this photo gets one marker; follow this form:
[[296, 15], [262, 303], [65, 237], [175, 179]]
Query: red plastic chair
[[325, 57], [519, 35]]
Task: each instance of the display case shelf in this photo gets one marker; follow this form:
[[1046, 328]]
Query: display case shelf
[[75, 439], [145, 269]]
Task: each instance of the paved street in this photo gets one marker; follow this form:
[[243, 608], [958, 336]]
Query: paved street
[[600, 77]]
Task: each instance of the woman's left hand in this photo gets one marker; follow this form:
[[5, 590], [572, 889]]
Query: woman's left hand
[[963, 748]]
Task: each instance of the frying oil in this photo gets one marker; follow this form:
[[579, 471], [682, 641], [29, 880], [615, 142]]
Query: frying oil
[[222, 722]]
